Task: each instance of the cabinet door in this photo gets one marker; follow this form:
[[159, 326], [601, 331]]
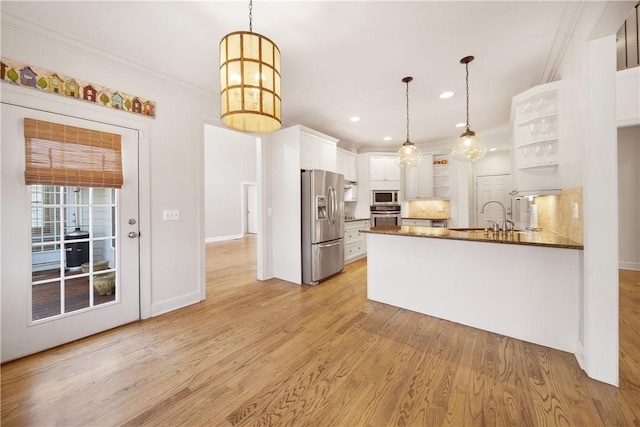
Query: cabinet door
[[391, 169], [316, 153], [418, 180], [377, 168], [411, 183], [327, 155], [351, 167], [347, 165], [425, 173]]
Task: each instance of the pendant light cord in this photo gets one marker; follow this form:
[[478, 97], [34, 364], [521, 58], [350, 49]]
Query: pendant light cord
[[250, 16], [467, 87], [407, 111]]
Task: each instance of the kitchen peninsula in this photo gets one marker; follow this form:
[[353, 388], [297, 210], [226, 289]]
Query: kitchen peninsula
[[524, 285]]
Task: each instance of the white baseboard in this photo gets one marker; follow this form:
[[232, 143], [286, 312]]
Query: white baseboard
[[175, 303], [580, 354], [623, 265], [223, 238]]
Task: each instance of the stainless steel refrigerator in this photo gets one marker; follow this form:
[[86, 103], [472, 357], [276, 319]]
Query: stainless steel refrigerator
[[322, 224]]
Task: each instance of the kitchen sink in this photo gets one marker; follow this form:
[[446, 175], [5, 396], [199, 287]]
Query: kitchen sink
[[467, 229]]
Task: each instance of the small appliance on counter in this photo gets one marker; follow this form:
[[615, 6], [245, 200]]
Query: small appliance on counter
[[322, 224], [521, 213]]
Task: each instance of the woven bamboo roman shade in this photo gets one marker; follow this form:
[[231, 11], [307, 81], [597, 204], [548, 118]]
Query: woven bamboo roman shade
[[71, 156]]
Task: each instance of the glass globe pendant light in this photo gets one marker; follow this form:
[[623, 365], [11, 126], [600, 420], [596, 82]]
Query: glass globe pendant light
[[250, 81], [468, 148], [408, 155]]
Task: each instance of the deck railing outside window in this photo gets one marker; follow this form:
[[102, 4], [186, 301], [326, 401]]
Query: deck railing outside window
[[628, 48]]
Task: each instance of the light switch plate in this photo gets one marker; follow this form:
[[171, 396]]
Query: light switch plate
[[575, 211], [171, 215]]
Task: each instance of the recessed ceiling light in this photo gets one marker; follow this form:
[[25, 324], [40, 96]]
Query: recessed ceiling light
[[492, 149], [387, 138], [355, 119], [447, 94], [461, 125]]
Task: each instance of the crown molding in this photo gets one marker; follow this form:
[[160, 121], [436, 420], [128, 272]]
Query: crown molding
[[570, 16], [12, 22]]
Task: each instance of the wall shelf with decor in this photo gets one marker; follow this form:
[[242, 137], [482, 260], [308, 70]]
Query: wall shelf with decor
[[441, 176]]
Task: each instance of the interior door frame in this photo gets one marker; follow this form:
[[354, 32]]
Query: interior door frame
[[29, 98], [244, 204]]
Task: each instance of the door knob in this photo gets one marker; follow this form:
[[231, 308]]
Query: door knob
[[132, 234]]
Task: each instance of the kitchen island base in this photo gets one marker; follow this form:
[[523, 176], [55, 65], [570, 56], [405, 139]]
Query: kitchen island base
[[525, 292]]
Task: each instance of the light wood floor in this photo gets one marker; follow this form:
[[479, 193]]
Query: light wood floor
[[273, 353]]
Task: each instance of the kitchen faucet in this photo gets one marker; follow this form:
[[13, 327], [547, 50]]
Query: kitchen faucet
[[505, 221]]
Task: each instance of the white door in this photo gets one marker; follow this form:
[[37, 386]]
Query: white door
[[252, 209], [47, 297], [492, 187]]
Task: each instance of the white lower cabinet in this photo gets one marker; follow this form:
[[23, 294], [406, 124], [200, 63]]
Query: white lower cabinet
[[355, 243]]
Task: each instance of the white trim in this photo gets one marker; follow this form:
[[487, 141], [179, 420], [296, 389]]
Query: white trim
[[244, 196], [175, 303], [580, 355], [224, 238], [629, 265], [26, 97]]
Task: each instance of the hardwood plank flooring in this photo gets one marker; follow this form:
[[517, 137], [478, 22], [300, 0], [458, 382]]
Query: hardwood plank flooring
[[273, 353]]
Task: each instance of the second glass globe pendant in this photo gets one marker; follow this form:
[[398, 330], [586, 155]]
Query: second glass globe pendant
[[408, 155], [468, 148]]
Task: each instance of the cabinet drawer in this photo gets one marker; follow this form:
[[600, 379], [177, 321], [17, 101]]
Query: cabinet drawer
[[352, 236], [355, 250]]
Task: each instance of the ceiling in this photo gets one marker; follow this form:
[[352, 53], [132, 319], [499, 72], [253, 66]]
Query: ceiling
[[339, 58]]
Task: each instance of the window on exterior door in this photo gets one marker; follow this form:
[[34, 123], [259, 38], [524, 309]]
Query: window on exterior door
[[73, 256], [74, 176]]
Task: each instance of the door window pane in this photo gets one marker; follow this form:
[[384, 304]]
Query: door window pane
[[73, 240]]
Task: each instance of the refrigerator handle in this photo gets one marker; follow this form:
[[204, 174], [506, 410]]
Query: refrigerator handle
[[330, 244], [331, 202]]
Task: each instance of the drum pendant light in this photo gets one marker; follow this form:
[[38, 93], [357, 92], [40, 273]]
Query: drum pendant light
[[409, 155], [468, 148], [250, 81]]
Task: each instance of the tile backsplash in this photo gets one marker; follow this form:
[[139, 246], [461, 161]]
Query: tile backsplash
[[432, 209], [555, 213]]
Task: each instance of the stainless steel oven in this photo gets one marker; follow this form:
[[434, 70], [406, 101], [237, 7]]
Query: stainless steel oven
[[385, 215]]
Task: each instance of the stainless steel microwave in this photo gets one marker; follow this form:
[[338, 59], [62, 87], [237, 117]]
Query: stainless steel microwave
[[384, 197]]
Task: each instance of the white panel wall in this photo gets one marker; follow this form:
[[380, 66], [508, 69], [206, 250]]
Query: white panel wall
[[175, 261], [588, 158], [229, 162], [629, 197]]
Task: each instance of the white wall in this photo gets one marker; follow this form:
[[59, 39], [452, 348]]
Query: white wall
[[495, 163], [629, 197], [175, 262], [229, 163]]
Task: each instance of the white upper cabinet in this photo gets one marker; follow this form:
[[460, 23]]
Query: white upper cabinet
[[418, 180], [535, 122], [384, 173], [348, 165], [317, 151]]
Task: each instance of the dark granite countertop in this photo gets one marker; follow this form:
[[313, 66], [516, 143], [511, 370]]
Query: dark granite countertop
[[530, 238]]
